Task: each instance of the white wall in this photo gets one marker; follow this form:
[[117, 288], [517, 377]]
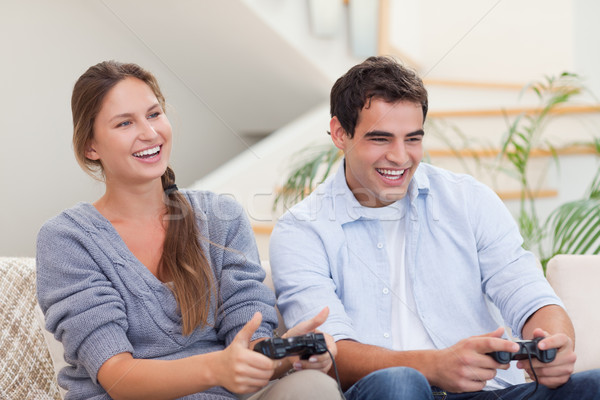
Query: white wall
[[586, 41], [291, 19], [46, 45], [489, 40]]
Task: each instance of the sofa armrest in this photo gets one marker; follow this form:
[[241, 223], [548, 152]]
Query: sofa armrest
[[27, 370], [575, 279]]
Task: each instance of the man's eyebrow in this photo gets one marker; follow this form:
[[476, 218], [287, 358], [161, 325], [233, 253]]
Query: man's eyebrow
[[420, 132], [378, 133]]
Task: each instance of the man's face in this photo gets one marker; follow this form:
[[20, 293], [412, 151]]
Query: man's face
[[385, 151]]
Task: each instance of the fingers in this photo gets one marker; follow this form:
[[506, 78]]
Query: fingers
[[558, 341], [320, 362], [497, 333], [331, 345], [547, 374], [308, 325], [245, 334], [248, 382], [492, 341], [539, 332], [557, 372]]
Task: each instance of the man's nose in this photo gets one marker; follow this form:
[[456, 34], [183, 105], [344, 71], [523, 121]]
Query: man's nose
[[397, 153]]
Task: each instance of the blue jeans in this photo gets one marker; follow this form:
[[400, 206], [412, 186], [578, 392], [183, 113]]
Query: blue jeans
[[406, 383], [391, 383], [582, 386]]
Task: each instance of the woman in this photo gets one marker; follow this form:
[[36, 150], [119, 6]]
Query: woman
[[156, 292]]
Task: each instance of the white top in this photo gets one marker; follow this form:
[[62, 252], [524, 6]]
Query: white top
[[408, 331]]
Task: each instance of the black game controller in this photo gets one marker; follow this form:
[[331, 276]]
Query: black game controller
[[303, 346], [525, 347]]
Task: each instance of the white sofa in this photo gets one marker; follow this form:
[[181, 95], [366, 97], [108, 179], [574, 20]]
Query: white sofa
[[27, 369], [575, 279]]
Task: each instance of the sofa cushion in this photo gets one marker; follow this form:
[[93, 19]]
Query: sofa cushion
[[27, 370], [575, 279]]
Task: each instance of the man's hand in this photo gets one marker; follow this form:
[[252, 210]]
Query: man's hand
[[242, 370], [557, 372], [321, 362], [465, 367]]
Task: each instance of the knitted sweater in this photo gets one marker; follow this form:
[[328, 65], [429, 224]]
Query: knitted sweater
[[100, 300]]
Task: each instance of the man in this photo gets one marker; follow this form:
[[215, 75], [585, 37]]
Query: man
[[415, 262]]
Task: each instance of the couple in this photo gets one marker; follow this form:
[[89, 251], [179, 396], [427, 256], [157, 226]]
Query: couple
[[153, 296]]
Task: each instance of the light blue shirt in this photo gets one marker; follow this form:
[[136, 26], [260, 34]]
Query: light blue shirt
[[463, 252]]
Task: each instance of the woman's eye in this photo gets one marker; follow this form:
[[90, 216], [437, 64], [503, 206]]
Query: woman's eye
[[153, 115], [124, 123]]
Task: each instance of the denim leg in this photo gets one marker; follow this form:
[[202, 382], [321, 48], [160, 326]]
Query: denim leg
[[581, 386], [397, 383]]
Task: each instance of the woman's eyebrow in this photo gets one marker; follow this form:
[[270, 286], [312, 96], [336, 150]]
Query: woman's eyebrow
[[128, 114]]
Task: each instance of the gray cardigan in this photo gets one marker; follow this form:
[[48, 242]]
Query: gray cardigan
[[99, 300]]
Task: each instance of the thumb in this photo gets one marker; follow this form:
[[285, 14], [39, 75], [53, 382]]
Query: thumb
[[245, 334], [309, 325], [539, 332], [497, 333]]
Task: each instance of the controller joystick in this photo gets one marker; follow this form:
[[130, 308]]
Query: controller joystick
[[525, 347], [303, 346]]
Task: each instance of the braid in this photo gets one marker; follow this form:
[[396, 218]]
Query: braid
[[184, 262]]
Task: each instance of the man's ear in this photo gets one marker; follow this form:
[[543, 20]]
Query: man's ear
[[338, 134], [90, 152]]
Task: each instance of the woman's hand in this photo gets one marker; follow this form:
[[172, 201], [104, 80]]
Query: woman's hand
[[240, 369], [323, 361]]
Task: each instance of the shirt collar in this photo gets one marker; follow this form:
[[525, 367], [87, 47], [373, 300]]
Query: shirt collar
[[348, 209]]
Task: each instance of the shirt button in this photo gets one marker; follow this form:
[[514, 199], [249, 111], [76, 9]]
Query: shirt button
[[386, 290], [386, 335], [380, 245]]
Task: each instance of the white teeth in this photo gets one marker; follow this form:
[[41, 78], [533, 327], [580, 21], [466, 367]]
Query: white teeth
[[391, 172], [147, 152]]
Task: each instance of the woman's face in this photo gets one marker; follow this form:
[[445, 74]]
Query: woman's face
[[132, 135]]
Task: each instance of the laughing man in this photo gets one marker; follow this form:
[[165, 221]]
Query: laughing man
[[414, 262]]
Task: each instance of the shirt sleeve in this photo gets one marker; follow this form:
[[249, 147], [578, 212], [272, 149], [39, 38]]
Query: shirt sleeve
[[508, 272], [301, 264], [240, 276], [81, 307]]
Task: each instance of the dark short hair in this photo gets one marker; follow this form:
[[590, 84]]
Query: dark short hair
[[377, 77]]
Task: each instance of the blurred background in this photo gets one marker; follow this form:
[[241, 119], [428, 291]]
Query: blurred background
[[247, 83]]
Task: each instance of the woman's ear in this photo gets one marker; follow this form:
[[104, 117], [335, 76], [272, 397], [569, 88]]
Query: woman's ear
[[90, 153], [338, 134]]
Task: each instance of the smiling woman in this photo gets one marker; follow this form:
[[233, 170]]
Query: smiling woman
[[157, 292], [135, 145]]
